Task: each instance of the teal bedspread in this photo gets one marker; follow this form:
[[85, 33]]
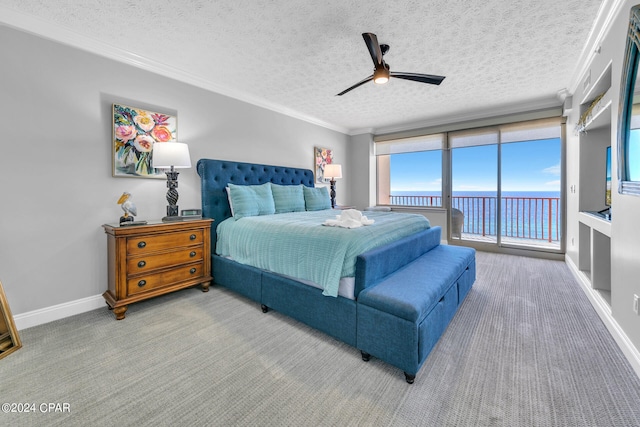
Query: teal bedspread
[[296, 244]]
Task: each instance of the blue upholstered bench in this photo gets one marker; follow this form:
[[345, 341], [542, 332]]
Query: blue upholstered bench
[[401, 318]]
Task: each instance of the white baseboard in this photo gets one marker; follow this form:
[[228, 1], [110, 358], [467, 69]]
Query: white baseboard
[[604, 311], [55, 312]]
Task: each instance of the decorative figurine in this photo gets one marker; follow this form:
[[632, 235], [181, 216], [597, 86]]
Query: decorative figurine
[[128, 207]]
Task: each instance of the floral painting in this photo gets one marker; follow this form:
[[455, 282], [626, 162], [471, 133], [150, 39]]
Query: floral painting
[[135, 131], [324, 156]]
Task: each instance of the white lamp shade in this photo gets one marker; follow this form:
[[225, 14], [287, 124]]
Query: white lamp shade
[[333, 171], [167, 154]]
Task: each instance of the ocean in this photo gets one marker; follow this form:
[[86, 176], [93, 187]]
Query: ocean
[[524, 214]]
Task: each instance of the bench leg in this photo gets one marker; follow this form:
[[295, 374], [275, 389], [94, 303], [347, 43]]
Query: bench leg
[[264, 308], [410, 378]]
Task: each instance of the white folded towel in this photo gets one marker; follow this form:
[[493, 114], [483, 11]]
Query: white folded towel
[[349, 218]]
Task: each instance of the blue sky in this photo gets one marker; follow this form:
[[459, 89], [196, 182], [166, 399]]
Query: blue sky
[[634, 156], [526, 166], [421, 171]]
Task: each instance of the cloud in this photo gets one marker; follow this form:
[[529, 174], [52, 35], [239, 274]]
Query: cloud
[[553, 183], [552, 170]]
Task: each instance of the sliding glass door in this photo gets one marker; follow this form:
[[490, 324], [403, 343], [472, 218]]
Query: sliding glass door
[[474, 185], [506, 185], [530, 171], [531, 212]]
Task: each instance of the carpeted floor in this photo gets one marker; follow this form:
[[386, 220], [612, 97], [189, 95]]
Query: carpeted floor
[[525, 349]]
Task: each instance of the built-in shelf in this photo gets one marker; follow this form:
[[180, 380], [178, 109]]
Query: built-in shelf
[[596, 222], [594, 257], [594, 229], [601, 85], [601, 114], [597, 103]]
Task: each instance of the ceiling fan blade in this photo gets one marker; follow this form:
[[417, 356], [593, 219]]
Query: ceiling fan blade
[[371, 41], [422, 78], [368, 79]]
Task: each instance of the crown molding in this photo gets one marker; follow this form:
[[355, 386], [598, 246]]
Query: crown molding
[[360, 131], [36, 26]]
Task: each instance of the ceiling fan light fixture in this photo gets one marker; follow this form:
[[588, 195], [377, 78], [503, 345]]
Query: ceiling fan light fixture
[[381, 75]]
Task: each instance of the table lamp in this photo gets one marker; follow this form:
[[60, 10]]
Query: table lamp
[[333, 171], [172, 156]]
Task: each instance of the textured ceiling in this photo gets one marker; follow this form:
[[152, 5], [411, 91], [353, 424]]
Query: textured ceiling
[[294, 56]]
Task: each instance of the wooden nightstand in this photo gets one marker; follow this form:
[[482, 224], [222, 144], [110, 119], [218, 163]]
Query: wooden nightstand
[[154, 259]]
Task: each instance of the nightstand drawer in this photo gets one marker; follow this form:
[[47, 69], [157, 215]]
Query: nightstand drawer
[[146, 244], [141, 264], [147, 282]]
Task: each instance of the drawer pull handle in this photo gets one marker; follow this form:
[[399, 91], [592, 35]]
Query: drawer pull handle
[[193, 270], [192, 237], [192, 254], [142, 244], [142, 264], [141, 283]]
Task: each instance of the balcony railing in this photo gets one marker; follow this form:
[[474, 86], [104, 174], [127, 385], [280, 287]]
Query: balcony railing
[[536, 218]]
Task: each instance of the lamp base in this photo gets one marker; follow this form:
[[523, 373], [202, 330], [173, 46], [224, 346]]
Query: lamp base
[[332, 184]]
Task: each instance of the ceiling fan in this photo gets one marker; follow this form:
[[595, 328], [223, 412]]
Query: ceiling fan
[[381, 72]]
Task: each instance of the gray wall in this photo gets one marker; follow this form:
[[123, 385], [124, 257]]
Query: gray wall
[[625, 233], [364, 165], [56, 160]]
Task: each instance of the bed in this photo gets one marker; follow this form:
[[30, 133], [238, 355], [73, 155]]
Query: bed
[[301, 245], [330, 306]]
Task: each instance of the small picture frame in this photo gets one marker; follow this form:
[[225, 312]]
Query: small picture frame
[[9, 338]]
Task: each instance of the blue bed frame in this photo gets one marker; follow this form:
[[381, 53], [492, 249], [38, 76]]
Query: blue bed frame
[[336, 317]]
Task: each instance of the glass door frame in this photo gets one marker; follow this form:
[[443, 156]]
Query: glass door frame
[[498, 245]]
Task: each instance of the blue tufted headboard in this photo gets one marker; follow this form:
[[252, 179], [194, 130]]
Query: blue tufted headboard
[[216, 174]]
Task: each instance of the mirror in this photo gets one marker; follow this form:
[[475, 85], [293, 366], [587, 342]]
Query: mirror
[[629, 112]]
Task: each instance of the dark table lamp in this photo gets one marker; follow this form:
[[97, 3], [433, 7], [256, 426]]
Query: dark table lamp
[[332, 172], [172, 156]]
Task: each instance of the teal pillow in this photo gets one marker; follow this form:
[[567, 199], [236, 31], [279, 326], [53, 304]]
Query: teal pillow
[[251, 200], [316, 199], [288, 198]]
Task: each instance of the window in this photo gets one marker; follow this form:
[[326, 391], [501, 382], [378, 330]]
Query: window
[[501, 184], [410, 171]]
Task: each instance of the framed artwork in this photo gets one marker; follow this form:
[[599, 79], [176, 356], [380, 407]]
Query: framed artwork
[[323, 157], [135, 131]]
